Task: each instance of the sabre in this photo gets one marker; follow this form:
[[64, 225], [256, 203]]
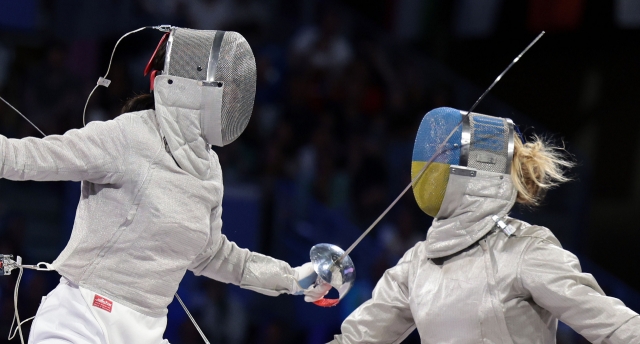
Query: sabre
[[438, 152], [23, 116]]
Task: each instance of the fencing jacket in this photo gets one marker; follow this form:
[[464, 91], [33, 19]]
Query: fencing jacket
[[142, 220], [469, 282]]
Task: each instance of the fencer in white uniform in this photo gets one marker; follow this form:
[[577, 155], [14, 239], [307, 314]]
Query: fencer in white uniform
[[481, 276], [150, 206]]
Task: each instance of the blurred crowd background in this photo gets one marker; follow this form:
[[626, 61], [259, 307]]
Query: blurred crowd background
[[342, 87]]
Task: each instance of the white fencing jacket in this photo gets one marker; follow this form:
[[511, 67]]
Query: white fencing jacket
[[142, 220], [469, 282]]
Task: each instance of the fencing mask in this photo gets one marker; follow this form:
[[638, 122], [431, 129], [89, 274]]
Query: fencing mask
[[220, 67], [481, 143]]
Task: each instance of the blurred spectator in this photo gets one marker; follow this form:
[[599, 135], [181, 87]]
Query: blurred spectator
[[400, 236], [251, 15], [221, 315], [21, 15], [13, 229], [369, 190], [91, 19], [52, 94], [162, 10], [318, 174], [324, 46], [188, 333], [210, 14], [6, 57], [275, 333]]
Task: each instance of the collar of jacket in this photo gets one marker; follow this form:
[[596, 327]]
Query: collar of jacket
[[178, 109], [465, 214]]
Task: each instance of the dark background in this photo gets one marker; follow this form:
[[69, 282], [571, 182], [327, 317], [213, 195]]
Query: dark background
[[342, 87]]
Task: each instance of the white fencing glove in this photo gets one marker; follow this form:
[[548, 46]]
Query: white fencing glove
[[305, 283]]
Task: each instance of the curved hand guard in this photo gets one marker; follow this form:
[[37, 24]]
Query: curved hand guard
[[340, 274]]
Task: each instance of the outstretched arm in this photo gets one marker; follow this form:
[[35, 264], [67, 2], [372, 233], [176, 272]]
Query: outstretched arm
[[386, 318], [224, 261], [556, 282], [95, 153]]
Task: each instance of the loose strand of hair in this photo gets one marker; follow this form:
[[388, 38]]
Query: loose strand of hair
[[537, 167]]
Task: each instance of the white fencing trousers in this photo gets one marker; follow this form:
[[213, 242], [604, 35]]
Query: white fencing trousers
[[72, 314]]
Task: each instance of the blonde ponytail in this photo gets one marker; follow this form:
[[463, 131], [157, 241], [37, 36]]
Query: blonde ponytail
[[537, 167]]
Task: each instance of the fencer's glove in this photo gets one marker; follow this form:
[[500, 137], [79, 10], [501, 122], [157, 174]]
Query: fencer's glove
[[305, 283]]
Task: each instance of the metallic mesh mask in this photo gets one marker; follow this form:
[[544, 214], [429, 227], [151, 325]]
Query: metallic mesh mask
[[224, 65], [481, 143]]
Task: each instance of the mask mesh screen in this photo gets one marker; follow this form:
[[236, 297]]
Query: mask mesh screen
[[489, 142], [237, 69], [190, 49]]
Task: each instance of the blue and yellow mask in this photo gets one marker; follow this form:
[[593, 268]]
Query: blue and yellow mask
[[482, 142]]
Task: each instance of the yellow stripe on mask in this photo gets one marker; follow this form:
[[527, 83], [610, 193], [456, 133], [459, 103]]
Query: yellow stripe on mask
[[430, 188]]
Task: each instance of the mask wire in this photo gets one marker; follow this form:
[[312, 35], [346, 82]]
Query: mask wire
[[16, 317], [103, 81]]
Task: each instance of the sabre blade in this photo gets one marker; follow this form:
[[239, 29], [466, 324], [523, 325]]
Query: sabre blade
[[438, 151], [535, 40], [23, 116], [415, 179]]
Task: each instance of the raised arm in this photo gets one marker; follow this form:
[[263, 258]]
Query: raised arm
[[386, 317], [95, 153], [556, 282]]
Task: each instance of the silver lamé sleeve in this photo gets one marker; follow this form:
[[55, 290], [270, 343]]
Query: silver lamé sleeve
[[224, 261], [95, 153], [267, 275], [386, 317], [555, 281]]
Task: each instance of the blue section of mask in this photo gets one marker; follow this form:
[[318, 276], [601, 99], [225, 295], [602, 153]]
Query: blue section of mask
[[436, 125]]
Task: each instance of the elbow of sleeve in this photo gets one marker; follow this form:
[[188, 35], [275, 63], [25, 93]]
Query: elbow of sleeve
[[224, 264]]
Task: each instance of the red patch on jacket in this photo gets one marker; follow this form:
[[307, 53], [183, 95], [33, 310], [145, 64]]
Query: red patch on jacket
[[102, 303]]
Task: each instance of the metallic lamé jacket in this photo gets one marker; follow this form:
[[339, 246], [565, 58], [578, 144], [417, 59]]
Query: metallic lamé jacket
[[142, 219], [469, 282]]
